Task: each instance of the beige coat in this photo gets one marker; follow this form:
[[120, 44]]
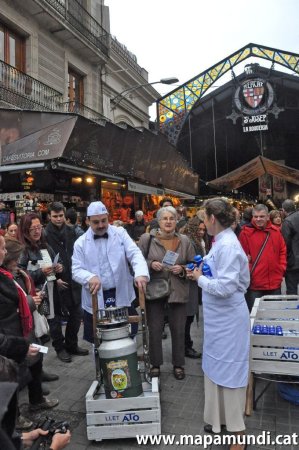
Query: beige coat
[[179, 285]]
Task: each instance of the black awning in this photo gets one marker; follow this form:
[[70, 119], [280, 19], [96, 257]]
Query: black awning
[[31, 136]]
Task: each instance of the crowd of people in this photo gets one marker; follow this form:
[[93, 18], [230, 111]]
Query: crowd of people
[[49, 273]]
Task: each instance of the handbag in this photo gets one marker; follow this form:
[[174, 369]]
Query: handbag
[[41, 325], [44, 307], [157, 288]]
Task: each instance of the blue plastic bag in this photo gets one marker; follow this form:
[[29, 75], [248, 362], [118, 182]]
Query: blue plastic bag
[[289, 392]]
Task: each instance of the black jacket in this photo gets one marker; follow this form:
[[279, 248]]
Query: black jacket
[[62, 241], [12, 343], [38, 276], [290, 232], [34, 255]]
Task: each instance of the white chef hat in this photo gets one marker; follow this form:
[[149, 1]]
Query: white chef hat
[[96, 208]]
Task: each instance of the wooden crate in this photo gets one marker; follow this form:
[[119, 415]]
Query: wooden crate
[[273, 354], [123, 417]]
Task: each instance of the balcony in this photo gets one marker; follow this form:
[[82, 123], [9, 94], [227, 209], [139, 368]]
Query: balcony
[[20, 91], [69, 20], [125, 54]]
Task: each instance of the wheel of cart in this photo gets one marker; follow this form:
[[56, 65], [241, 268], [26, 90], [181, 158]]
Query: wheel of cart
[[123, 401], [274, 350]]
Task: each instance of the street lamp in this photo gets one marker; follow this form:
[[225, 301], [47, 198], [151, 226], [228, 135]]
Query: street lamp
[[119, 97]]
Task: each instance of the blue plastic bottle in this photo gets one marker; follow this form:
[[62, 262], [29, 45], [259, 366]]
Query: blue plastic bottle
[[265, 329], [206, 271], [198, 260], [279, 331], [190, 266], [257, 329]]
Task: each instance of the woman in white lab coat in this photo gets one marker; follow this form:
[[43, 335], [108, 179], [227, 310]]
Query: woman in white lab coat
[[226, 323]]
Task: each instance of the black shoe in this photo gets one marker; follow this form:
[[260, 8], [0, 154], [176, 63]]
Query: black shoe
[[209, 429], [191, 353], [64, 356], [78, 351], [49, 376], [45, 389]]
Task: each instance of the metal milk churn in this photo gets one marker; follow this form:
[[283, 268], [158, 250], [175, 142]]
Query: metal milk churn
[[118, 354]]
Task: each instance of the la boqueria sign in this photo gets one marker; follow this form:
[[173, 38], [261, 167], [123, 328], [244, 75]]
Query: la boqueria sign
[[253, 100]]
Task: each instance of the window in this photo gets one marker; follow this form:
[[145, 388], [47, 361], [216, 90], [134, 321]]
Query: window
[[75, 88], [12, 48]]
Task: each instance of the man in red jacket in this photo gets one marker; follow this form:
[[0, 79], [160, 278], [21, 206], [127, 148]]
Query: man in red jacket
[[266, 251]]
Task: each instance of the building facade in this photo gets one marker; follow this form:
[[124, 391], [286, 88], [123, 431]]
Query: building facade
[[72, 128], [59, 55]]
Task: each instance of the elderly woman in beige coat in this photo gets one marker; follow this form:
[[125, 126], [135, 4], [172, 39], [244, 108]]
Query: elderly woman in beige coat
[[154, 247]]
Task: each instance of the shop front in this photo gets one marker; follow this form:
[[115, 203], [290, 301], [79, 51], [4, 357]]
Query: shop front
[[51, 156]]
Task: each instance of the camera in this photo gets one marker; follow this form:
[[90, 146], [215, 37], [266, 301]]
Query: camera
[[53, 427]]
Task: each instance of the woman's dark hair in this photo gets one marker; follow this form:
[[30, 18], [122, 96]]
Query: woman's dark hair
[[274, 213], [222, 210], [10, 224], [191, 229], [24, 233]]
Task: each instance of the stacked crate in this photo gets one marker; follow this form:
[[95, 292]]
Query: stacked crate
[[276, 354], [123, 417]]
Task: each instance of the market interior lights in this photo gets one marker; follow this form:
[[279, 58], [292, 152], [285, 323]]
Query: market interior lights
[[296, 198], [89, 180], [76, 180]]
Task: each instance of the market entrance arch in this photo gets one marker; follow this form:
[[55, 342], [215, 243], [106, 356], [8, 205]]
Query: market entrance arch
[[173, 109]]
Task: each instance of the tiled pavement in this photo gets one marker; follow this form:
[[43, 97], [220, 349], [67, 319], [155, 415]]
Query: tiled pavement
[[181, 403]]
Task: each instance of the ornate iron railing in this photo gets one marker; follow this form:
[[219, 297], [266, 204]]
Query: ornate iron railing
[[81, 20], [23, 91], [125, 54]]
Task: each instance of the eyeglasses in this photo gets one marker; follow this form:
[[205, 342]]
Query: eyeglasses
[[165, 219], [37, 228]]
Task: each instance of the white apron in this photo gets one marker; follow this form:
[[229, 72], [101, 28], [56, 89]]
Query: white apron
[[226, 318]]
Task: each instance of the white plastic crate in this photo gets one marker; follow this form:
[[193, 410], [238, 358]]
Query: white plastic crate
[[123, 417], [272, 354]]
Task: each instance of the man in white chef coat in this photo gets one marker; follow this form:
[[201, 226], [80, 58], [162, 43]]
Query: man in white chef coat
[[100, 264]]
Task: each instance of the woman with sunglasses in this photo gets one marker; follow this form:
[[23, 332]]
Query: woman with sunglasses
[[38, 258]]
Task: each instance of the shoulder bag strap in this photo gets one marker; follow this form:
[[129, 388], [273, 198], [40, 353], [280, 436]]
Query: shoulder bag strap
[[260, 253], [148, 246]]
